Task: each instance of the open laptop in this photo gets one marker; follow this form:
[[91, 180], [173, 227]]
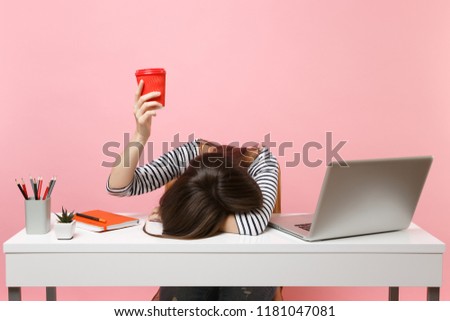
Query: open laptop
[[365, 197]]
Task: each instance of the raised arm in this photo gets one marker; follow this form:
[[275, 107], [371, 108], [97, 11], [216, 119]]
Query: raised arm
[[144, 110]]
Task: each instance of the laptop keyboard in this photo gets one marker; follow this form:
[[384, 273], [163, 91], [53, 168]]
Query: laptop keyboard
[[306, 226]]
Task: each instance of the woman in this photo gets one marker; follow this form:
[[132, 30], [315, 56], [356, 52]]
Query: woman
[[224, 188]]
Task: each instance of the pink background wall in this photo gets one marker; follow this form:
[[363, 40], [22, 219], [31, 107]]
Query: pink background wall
[[374, 73]]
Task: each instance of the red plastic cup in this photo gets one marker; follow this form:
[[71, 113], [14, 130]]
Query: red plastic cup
[[154, 80]]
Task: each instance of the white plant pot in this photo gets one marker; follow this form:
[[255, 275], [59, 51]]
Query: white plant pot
[[64, 231]]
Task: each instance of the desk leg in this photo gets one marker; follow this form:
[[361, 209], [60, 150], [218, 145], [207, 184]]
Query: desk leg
[[433, 293], [50, 291], [393, 293], [14, 294]]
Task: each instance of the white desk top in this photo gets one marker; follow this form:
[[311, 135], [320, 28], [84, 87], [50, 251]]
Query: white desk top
[[133, 239]]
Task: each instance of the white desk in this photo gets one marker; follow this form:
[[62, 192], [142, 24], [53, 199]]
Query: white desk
[[129, 257]]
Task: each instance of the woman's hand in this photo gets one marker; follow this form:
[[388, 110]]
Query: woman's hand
[[144, 110], [154, 215]]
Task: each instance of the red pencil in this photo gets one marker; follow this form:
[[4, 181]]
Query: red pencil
[[39, 188], [45, 194]]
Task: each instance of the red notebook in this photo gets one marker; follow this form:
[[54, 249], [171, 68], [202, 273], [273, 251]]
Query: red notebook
[[113, 221]]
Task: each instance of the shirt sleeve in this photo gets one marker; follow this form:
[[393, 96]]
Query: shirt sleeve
[[264, 171], [158, 172]]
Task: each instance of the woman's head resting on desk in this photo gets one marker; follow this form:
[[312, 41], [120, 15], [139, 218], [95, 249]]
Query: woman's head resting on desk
[[214, 186]]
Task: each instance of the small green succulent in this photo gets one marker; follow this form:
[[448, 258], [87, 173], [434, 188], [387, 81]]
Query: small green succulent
[[65, 217]]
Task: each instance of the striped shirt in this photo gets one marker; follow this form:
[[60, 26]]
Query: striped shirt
[[157, 173]]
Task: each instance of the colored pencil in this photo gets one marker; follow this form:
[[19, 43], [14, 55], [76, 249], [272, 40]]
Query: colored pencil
[[24, 188], [45, 194], [34, 187], [21, 190], [51, 185], [39, 187]]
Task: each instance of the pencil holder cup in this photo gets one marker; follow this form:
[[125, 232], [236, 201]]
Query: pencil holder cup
[[37, 216]]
